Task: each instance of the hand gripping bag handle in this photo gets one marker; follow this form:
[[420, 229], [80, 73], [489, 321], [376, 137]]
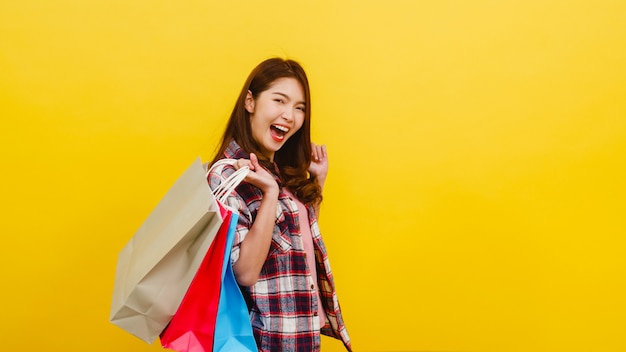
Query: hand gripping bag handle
[[228, 186]]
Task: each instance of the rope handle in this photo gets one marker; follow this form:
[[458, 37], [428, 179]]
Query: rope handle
[[228, 186]]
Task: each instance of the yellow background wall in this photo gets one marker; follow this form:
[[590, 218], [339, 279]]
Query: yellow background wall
[[478, 148]]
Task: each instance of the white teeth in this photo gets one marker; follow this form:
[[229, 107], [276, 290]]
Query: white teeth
[[282, 128]]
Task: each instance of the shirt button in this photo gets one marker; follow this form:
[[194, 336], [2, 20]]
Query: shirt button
[[312, 287], [314, 314]]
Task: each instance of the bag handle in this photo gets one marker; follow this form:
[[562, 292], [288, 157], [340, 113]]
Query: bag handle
[[228, 186]]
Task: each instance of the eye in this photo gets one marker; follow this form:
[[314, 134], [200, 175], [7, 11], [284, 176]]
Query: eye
[[301, 108], [278, 100]]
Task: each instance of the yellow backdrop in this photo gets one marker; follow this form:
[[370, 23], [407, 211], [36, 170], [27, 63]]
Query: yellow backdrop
[[478, 148]]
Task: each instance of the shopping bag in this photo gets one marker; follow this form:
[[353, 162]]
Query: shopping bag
[[157, 265], [193, 326], [213, 316], [233, 331]]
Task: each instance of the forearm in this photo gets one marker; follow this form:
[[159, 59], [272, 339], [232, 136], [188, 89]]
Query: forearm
[[255, 247]]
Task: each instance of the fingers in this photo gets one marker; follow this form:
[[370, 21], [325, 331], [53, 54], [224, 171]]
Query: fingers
[[244, 162], [254, 161], [260, 178], [323, 150], [314, 152], [318, 152]]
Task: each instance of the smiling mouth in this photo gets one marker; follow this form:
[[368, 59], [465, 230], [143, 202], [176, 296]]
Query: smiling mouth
[[278, 132]]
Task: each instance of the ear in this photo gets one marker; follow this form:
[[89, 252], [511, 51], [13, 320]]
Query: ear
[[249, 102]]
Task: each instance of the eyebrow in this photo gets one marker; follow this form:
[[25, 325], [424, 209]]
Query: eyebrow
[[288, 97]]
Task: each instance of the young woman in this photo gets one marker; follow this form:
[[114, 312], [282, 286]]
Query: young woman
[[278, 256]]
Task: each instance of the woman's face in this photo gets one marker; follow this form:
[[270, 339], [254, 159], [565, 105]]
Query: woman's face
[[276, 114]]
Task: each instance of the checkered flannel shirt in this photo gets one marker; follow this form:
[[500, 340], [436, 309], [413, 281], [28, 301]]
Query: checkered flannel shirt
[[283, 303]]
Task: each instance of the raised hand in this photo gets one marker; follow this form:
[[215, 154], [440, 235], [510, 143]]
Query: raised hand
[[258, 176], [319, 163]]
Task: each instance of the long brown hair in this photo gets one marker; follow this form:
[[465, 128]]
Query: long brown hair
[[294, 157]]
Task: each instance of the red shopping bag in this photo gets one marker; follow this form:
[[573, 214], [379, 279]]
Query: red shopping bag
[[192, 328]]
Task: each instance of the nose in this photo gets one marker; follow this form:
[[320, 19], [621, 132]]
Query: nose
[[287, 115]]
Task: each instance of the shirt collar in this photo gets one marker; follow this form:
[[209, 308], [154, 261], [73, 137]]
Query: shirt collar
[[234, 151]]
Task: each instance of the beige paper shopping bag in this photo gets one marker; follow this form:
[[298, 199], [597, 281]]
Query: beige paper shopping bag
[[156, 266]]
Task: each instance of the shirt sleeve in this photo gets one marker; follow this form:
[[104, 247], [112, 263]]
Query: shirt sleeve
[[235, 202]]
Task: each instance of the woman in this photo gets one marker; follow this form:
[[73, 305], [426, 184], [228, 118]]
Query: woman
[[278, 256]]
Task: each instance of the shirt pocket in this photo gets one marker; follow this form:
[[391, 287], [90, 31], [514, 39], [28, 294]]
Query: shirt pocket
[[281, 244]]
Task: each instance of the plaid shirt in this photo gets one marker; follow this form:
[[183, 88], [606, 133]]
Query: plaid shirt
[[283, 303]]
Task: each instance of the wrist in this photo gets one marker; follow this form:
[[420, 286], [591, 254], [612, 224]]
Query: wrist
[[320, 180], [271, 192]]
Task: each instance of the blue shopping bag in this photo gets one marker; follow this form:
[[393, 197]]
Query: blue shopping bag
[[233, 330]]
